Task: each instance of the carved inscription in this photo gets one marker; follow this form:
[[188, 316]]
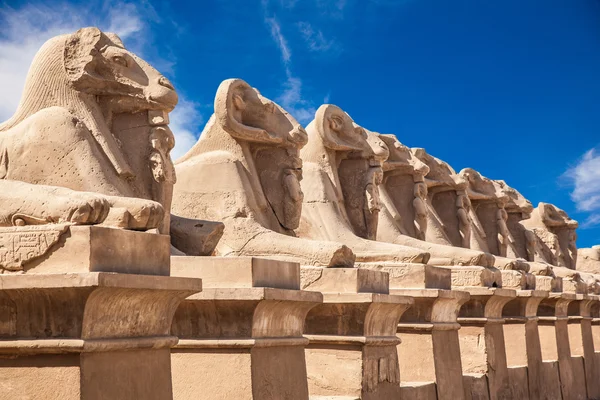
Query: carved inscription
[[22, 244], [513, 279], [466, 277]]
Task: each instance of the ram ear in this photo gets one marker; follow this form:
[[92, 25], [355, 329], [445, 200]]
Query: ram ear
[[79, 54], [113, 37]]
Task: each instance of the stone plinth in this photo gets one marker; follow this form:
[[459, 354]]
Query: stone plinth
[[242, 337], [96, 248], [480, 317], [554, 333], [92, 335], [582, 341], [524, 349], [408, 275], [475, 277], [429, 331], [352, 349]]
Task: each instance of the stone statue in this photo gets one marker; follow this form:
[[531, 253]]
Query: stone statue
[[463, 209], [443, 184], [503, 233], [555, 235], [403, 176], [338, 164], [245, 171], [90, 141], [588, 260], [420, 207], [518, 208]]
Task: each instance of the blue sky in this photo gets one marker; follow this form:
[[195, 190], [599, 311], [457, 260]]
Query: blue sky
[[509, 88]]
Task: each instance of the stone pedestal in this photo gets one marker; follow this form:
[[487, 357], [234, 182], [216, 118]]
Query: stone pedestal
[[429, 331], [91, 335], [553, 313], [407, 275], [482, 316], [474, 276], [241, 338], [582, 325], [352, 350], [524, 347]]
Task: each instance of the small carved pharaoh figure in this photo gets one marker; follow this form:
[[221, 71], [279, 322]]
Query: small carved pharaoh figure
[[420, 207], [573, 246], [463, 209], [503, 233], [245, 171], [375, 178], [403, 178], [339, 163], [65, 140]]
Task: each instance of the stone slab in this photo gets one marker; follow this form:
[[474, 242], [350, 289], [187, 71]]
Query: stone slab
[[476, 387], [407, 275], [238, 272], [518, 379], [344, 280], [418, 390], [102, 249], [474, 276]]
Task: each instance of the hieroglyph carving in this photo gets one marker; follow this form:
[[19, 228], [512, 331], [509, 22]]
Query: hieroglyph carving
[[22, 244]]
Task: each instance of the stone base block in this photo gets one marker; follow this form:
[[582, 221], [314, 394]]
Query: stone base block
[[238, 272], [466, 277], [242, 337], [344, 280], [512, 279], [418, 390], [548, 284], [519, 385], [476, 387], [88, 335], [430, 349], [551, 388], [578, 390], [417, 276], [101, 249], [352, 349]]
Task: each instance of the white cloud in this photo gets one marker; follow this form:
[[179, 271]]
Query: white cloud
[[24, 30], [291, 96], [585, 177], [291, 100], [314, 39], [185, 122], [279, 39]]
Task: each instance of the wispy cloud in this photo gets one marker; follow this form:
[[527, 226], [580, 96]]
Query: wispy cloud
[[186, 121], [585, 177], [25, 29], [279, 39], [291, 97], [315, 40], [291, 100]]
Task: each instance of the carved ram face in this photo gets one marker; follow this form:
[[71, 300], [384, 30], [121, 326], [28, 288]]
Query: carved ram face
[[97, 63]]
